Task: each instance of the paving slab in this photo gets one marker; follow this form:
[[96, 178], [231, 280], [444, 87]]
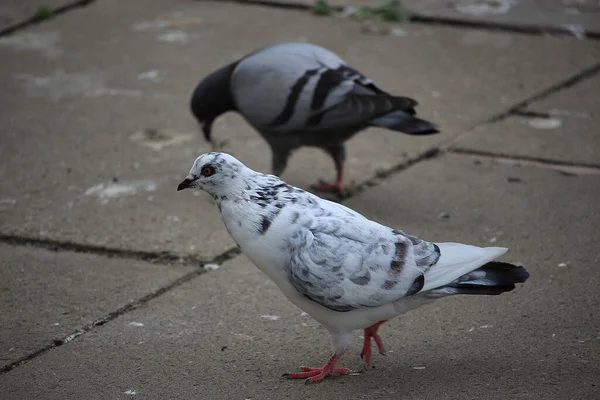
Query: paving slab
[[579, 100], [13, 12], [562, 127], [97, 128], [577, 16], [47, 295], [230, 333]]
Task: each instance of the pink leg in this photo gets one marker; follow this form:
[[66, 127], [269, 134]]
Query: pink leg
[[339, 186], [371, 332], [317, 374]]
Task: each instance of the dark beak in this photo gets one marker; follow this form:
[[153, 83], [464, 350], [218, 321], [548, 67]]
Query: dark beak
[[207, 129], [185, 184]]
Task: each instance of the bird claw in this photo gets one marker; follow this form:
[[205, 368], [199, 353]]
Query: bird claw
[[371, 333], [316, 374], [342, 189]]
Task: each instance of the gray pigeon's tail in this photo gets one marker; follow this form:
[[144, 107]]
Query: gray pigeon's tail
[[404, 121], [490, 279]]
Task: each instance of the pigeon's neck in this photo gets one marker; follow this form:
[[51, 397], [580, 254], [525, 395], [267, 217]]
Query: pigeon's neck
[[212, 97], [245, 206]]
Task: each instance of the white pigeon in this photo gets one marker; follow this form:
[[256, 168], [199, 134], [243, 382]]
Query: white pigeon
[[301, 94], [346, 271]]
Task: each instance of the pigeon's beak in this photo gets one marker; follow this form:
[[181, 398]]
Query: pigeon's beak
[[207, 129], [186, 183]]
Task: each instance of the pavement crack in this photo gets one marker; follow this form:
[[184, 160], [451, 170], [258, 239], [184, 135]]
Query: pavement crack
[[40, 17], [574, 167], [537, 30], [131, 306], [519, 108], [278, 4], [383, 174], [531, 114], [155, 257]]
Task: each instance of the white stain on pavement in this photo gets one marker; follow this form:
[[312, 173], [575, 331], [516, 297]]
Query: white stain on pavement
[[60, 84], [171, 27], [158, 139], [7, 204], [211, 267], [46, 43], [173, 36], [576, 30], [484, 7], [130, 392], [175, 20], [480, 327], [150, 75], [110, 190], [544, 123], [270, 317], [136, 324]]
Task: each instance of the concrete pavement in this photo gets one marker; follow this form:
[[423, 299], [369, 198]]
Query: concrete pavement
[[97, 134]]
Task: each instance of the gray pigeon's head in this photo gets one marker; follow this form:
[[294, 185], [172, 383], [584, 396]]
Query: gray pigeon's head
[[216, 173], [212, 97]]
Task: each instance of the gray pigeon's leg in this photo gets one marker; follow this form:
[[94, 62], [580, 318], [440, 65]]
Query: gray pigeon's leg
[[280, 158], [338, 153]]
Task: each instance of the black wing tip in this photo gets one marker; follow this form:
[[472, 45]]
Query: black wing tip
[[419, 129], [413, 126], [518, 273], [417, 285], [500, 277]]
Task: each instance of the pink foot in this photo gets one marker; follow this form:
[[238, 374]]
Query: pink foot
[[316, 374], [338, 187], [371, 332]]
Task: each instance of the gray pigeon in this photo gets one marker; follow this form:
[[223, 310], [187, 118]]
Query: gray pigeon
[[299, 94], [344, 270]]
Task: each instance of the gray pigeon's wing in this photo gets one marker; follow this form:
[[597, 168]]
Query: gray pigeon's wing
[[280, 79], [357, 109], [348, 263], [300, 87]]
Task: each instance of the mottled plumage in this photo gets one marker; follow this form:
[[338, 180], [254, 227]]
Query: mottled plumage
[[346, 271], [299, 94]]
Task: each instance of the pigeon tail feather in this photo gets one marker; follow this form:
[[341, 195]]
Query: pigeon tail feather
[[466, 269], [404, 122], [492, 278]]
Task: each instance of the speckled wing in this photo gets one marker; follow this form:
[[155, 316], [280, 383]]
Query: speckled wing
[[349, 263]]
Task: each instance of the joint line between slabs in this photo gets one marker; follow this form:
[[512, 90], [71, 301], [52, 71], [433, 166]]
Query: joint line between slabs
[[38, 19], [417, 18], [134, 305], [592, 168], [163, 257]]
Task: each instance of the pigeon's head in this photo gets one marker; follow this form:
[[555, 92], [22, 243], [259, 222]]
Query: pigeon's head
[[216, 173], [212, 97]]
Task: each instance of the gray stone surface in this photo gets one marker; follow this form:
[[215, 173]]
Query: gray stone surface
[[565, 131], [76, 97], [47, 295], [579, 100], [579, 17], [217, 336], [13, 12], [576, 16]]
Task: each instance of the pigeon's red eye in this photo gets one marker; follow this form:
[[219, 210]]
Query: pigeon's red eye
[[207, 171]]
